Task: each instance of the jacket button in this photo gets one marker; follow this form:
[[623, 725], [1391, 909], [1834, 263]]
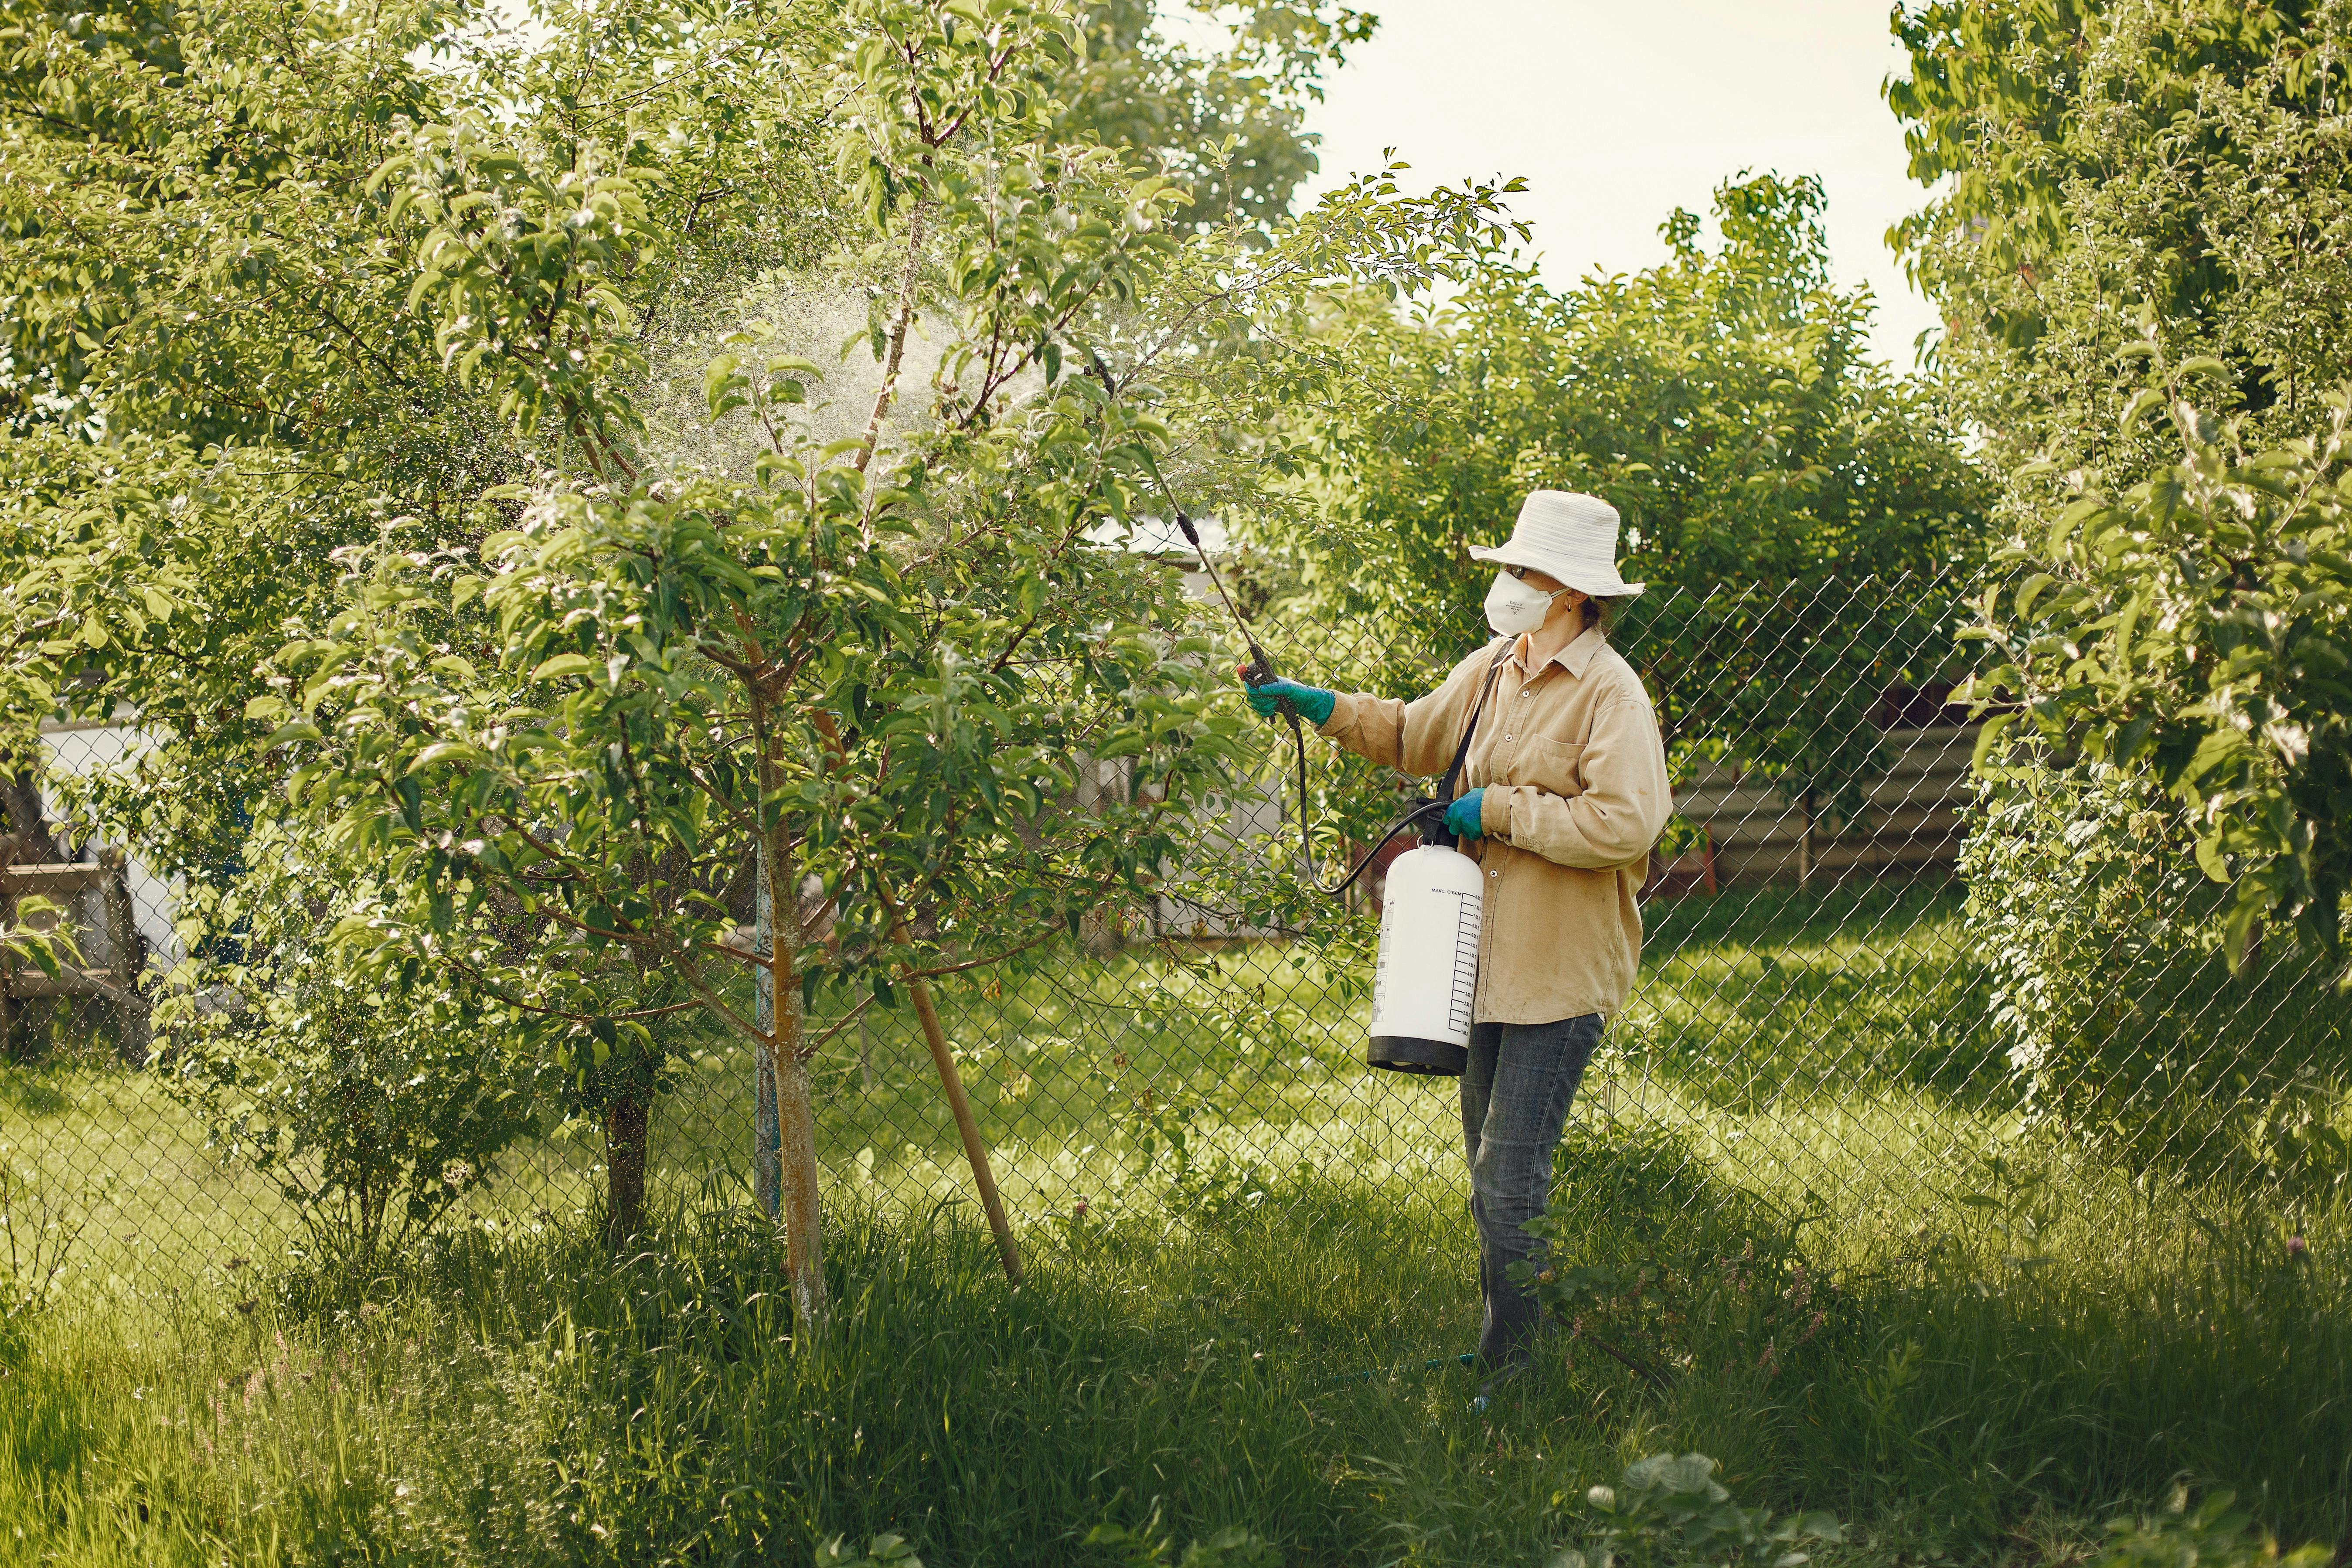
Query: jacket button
[[1495, 874]]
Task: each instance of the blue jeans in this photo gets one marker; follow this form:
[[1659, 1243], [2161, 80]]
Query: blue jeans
[[1516, 1091]]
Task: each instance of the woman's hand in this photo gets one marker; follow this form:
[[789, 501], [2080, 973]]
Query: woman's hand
[[1313, 703], [1462, 814]]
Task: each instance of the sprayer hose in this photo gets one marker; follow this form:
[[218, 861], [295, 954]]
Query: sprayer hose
[[1305, 839]]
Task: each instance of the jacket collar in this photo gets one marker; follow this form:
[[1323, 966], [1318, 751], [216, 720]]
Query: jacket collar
[[1575, 658]]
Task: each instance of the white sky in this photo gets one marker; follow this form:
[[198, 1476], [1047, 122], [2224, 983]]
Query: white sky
[[1617, 111]]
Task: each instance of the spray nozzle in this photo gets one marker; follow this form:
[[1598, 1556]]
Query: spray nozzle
[[1260, 669]]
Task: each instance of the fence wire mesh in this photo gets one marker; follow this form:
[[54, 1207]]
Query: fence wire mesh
[[1864, 977]]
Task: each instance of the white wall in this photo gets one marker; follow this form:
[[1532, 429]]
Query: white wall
[[80, 749]]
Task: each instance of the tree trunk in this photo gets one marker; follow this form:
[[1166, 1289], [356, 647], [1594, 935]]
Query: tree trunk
[[788, 1115], [133, 1017], [625, 1121], [20, 805], [797, 1171]]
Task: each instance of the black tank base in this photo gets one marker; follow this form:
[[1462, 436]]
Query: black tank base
[[1406, 1052]]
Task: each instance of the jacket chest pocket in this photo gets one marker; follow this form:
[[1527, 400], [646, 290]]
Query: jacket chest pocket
[[1556, 767]]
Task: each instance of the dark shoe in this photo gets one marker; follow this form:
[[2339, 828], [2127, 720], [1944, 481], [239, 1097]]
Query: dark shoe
[[1512, 1369]]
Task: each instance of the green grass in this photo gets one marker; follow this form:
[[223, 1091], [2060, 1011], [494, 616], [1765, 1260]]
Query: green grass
[[2022, 1339], [520, 1400], [1829, 1041]]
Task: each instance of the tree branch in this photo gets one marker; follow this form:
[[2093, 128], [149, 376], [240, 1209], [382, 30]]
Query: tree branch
[[897, 349]]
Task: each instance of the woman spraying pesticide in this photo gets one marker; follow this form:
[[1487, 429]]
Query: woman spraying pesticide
[[1567, 792]]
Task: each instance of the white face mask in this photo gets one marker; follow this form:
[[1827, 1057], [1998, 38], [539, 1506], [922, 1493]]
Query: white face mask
[[1513, 607]]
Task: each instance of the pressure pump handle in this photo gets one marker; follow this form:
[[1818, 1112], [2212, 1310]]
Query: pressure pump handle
[[1431, 809]]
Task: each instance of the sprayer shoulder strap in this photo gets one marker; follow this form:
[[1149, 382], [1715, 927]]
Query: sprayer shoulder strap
[[1461, 751]]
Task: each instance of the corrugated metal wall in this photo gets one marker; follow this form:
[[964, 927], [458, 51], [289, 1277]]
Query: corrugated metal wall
[[1754, 832]]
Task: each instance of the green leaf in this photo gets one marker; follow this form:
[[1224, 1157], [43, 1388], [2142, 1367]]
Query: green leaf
[[445, 751], [1989, 738], [294, 730], [2209, 858], [2238, 932], [564, 665], [2030, 591]]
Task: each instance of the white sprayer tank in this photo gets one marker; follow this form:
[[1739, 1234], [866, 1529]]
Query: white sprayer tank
[[1428, 971]]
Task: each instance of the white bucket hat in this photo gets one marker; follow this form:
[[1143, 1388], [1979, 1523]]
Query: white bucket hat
[[1568, 536]]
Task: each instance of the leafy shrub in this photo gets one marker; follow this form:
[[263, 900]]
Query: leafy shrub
[[1659, 1265], [1232, 1547], [36, 1236], [2116, 185], [1671, 1510], [2197, 628], [2086, 155], [2216, 1533], [2180, 657], [373, 1111], [2123, 1017], [372, 1115]]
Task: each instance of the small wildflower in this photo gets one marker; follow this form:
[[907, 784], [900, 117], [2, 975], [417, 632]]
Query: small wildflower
[[2297, 1248]]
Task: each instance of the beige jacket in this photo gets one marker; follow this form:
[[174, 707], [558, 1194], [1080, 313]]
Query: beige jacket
[[1576, 793]]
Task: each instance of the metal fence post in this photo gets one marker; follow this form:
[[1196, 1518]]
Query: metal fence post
[[767, 1185]]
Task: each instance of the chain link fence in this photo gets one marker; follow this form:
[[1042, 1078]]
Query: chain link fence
[[1867, 982]]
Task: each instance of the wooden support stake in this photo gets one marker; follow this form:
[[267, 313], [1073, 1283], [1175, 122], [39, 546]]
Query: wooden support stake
[[974, 1149], [1805, 857]]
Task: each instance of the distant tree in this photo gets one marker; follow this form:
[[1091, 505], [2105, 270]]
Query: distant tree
[[2094, 160], [2134, 233], [1229, 128], [1726, 403], [542, 686]]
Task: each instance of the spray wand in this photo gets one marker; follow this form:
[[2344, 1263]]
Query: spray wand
[[1259, 671]]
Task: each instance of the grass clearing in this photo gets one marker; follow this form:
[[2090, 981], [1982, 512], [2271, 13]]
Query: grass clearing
[[2015, 1340], [518, 1400]]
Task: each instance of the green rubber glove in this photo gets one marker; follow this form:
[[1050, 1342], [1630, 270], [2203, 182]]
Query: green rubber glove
[[1313, 703], [1464, 813]]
